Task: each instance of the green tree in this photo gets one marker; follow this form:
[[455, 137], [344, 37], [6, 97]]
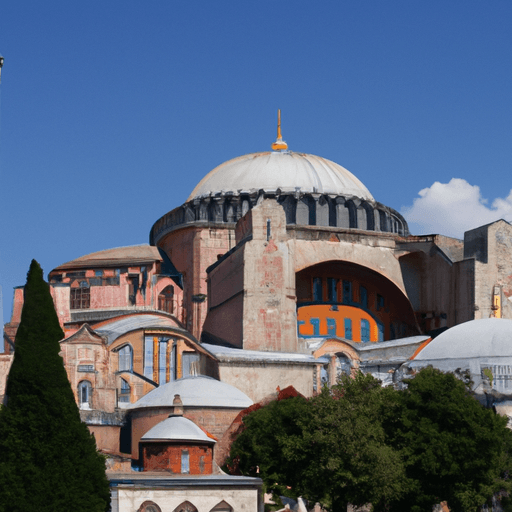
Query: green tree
[[48, 458], [271, 446], [453, 448], [351, 461], [331, 448]]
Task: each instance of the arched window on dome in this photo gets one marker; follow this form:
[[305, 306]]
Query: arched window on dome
[[352, 214], [384, 224], [306, 211], [322, 211], [246, 206], [166, 299], [85, 394], [203, 211], [370, 218], [229, 212], [289, 203]]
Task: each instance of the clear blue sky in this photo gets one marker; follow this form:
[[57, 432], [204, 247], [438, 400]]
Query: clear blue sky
[[111, 112]]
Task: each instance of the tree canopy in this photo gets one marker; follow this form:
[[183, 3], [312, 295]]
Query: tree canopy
[[453, 448], [48, 457], [399, 450]]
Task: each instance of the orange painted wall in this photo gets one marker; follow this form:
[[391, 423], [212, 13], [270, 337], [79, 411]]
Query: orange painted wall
[[322, 312]]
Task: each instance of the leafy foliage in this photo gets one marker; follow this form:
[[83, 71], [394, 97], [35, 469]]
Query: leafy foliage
[[399, 450], [453, 448], [48, 458], [330, 448]]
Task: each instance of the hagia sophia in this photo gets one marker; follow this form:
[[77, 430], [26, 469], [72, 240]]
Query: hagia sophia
[[280, 269]]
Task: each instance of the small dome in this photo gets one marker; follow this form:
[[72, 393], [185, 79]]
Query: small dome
[[280, 170], [176, 428], [195, 391], [489, 337]]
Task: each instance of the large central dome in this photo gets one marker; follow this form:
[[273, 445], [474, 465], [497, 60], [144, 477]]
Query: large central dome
[[280, 170]]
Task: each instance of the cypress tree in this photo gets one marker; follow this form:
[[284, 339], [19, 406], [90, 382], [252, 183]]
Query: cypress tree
[[48, 457]]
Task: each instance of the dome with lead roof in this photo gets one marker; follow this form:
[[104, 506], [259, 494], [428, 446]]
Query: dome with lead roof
[[283, 171]]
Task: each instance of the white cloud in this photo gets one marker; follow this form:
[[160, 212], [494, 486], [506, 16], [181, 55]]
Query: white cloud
[[452, 208]]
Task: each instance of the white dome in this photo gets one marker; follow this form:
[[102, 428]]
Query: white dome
[[176, 428], [489, 337], [197, 391], [280, 170]]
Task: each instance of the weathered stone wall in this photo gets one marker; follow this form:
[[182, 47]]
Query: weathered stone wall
[[204, 497], [269, 318], [192, 250], [107, 437], [258, 380], [491, 248]]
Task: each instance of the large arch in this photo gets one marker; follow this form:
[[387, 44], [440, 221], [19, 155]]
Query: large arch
[[376, 256], [351, 301]]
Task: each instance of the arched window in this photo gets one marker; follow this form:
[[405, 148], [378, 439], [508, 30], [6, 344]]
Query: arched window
[[186, 506], [149, 506], [166, 300], [222, 507], [85, 394], [126, 358], [343, 365]]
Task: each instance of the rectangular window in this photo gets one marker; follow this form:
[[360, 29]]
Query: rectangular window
[[331, 289], [172, 363], [86, 368], [162, 360], [347, 292], [363, 296], [190, 363], [148, 357], [185, 462], [380, 302], [331, 327], [80, 298], [317, 289], [381, 331], [348, 328], [315, 322], [365, 330]]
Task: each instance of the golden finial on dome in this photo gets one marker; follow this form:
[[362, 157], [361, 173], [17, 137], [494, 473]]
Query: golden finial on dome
[[279, 144]]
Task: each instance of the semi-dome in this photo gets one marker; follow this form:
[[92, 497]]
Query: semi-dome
[[285, 171], [176, 428], [196, 391], [488, 337]]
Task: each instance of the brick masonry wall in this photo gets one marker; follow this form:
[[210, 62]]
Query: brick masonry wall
[[167, 457]]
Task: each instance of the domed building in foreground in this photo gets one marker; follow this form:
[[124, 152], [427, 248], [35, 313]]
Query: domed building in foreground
[[280, 269]]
